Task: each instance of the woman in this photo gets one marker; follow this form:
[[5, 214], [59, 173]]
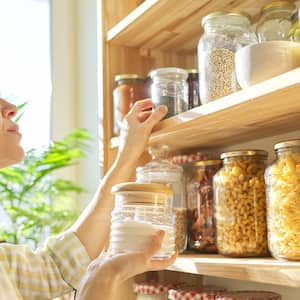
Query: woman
[[62, 265]]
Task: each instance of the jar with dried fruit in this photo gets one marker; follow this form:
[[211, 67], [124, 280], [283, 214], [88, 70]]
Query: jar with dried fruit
[[240, 201], [283, 201], [224, 33], [161, 170], [201, 221]]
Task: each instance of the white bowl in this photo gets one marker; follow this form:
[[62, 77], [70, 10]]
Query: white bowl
[[259, 62]]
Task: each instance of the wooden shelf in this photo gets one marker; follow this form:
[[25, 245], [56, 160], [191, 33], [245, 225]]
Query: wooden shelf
[[268, 108], [171, 24], [263, 270]]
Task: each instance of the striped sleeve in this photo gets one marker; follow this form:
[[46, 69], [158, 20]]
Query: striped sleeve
[[46, 273]]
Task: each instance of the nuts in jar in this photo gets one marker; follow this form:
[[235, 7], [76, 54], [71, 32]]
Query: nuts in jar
[[283, 201], [241, 204], [201, 222]]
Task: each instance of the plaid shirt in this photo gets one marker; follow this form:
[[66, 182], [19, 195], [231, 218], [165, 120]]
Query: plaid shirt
[[43, 274]]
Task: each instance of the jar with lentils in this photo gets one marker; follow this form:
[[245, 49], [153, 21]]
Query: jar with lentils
[[283, 201], [240, 204], [224, 33], [201, 221]]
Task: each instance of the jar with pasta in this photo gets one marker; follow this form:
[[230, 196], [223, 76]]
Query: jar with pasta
[[240, 204], [283, 201]]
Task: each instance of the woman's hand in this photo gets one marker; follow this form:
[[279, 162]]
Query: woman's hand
[[136, 128], [106, 273]]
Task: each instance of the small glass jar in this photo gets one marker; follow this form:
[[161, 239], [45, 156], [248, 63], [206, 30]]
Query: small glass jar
[[170, 88], [151, 291], [193, 88], [129, 88], [140, 210], [240, 204], [201, 221], [294, 32], [246, 295], [224, 33], [161, 170], [283, 201], [275, 21]]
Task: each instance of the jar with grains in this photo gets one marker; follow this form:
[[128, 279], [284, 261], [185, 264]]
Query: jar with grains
[[170, 88], [275, 21], [201, 221], [151, 291], [224, 33], [129, 88], [283, 201], [240, 203], [294, 31], [193, 88], [161, 170], [248, 295], [141, 209]]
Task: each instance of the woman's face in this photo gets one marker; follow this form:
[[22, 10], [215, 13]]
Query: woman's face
[[10, 149]]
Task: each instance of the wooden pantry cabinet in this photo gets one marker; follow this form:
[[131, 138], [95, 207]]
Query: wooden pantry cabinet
[[139, 36]]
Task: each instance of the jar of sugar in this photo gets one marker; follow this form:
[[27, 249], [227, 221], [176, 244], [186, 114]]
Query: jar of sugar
[[141, 209]]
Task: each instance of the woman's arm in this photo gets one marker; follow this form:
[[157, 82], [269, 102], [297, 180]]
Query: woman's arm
[[92, 227]]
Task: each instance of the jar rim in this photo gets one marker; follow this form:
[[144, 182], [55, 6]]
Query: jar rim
[[250, 152], [178, 72], [142, 187], [287, 143], [127, 76], [217, 14], [278, 4]]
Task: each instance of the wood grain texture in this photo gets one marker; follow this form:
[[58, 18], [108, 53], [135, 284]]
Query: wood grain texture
[[263, 270]]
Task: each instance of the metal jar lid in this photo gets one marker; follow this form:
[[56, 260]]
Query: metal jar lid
[[128, 76], [287, 144], [261, 153], [278, 4], [217, 14]]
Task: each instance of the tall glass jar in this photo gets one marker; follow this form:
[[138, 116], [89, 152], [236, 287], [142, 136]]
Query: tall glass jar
[[224, 33], [140, 210], [170, 88], [283, 201], [201, 221], [129, 88], [275, 21], [161, 170], [241, 204]]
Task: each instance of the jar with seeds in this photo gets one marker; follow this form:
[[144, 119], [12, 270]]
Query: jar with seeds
[[240, 203], [283, 201], [224, 33]]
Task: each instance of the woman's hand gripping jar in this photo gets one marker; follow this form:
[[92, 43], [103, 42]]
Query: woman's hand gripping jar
[[283, 201], [240, 203], [140, 210]]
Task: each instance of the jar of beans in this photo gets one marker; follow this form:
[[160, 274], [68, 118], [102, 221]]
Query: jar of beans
[[247, 295], [201, 221], [283, 201], [129, 88], [224, 33], [240, 201]]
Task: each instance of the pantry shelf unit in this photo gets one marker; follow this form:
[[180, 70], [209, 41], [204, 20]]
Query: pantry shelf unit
[[268, 108], [171, 24], [261, 270]]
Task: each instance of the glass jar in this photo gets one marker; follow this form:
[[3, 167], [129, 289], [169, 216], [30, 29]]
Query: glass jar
[[240, 204], [275, 21], [129, 88], [224, 33], [151, 291], [161, 170], [283, 201], [294, 32], [201, 221], [140, 210], [246, 295], [193, 88], [170, 88]]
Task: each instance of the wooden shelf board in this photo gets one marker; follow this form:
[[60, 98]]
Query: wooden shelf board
[[171, 24], [263, 270], [265, 109]]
